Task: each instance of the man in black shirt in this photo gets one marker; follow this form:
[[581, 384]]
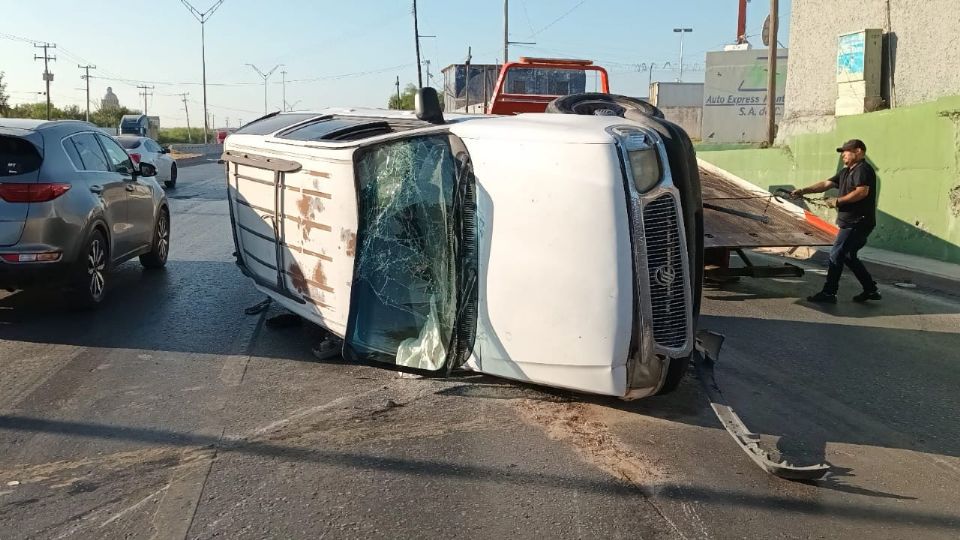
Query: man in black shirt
[[856, 216]]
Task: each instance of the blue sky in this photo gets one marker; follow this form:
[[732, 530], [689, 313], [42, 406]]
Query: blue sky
[[339, 53]]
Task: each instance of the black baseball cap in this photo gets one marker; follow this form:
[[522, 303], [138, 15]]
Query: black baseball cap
[[851, 145]]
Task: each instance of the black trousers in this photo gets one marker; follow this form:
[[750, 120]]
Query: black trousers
[[844, 252]]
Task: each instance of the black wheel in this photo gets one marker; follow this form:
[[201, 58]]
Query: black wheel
[[172, 182], [91, 274], [594, 103], [157, 257]]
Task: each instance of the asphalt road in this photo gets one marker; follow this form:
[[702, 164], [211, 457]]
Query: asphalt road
[[169, 413]]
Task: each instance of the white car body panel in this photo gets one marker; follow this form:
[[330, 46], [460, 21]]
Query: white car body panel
[[556, 267]]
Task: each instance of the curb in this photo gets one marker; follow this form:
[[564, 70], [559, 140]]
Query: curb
[[197, 160], [890, 274]]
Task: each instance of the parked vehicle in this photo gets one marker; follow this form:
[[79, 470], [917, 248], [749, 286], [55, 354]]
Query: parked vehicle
[[141, 125], [147, 150], [557, 249], [72, 206]]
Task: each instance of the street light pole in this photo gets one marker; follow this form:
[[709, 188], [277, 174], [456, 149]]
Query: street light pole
[[265, 77], [203, 18], [681, 31], [772, 74]]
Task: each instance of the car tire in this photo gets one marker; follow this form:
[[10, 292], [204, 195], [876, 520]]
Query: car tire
[[90, 283], [172, 182], [598, 104], [160, 245]]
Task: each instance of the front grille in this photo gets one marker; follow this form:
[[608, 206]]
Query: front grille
[[666, 272]]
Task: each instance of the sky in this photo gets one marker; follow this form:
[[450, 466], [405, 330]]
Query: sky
[[339, 53]]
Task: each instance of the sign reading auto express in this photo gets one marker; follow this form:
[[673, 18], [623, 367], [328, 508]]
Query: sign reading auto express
[[735, 95]]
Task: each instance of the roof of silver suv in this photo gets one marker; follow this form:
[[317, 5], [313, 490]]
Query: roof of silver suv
[[33, 124]]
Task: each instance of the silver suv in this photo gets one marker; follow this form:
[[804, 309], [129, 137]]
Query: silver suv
[[72, 206]]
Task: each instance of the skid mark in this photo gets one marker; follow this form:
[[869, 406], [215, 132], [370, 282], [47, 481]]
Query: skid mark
[[579, 425]]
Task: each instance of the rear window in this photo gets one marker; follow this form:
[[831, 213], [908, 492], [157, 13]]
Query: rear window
[[335, 129], [276, 122], [128, 143], [546, 81], [18, 156]]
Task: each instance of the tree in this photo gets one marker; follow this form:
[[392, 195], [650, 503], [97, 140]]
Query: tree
[[406, 99], [4, 96]]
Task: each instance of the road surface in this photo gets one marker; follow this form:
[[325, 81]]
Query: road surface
[[169, 413]]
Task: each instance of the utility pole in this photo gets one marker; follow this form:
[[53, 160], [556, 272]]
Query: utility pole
[[144, 93], [772, 73], [742, 23], [399, 99], [416, 35], [47, 76], [283, 74], [265, 77], [466, 101], [506, 33], [87, 78], [186, 111], [681, 31], [203, 18]]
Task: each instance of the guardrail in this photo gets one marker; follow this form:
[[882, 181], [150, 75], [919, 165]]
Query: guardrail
[[204, 149]]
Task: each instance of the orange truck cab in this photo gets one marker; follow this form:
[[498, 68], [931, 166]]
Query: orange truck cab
[[528, 85]]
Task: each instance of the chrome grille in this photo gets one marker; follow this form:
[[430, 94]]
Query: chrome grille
[[666, 272]]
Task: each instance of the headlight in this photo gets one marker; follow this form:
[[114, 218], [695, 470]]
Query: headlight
[[645, 167], [643, 157]]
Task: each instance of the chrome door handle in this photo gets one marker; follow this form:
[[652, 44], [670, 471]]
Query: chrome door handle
[[96, 189]]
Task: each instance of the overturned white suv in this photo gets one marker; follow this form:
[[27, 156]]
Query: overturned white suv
[[559, 249]]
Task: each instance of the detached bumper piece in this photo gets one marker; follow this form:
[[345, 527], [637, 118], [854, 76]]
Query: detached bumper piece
[[705, 356]]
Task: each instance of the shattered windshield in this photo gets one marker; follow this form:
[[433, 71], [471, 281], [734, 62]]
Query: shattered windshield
[[404, 292]]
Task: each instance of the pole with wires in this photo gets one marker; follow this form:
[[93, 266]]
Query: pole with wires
[[265, 77], [47, 76], [416, 35], [87, 79], [202, 18], [186, 111]]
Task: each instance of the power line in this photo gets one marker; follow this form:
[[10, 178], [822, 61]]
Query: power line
[[560, 18]]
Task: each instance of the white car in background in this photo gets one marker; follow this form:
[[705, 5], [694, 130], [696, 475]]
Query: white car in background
[[147, 150]]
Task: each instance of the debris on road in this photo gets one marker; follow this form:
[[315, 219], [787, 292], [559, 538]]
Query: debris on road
[[258, 308], [705, 356]]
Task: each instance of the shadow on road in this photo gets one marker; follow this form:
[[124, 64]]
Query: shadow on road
[[425, 468]]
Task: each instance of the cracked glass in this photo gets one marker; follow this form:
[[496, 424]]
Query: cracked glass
[[404, 299]]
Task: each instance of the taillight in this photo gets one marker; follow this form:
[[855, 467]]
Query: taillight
[[135, 157], [27, 193], [46, 256]]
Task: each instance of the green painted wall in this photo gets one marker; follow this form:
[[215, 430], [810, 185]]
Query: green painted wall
[[916, 151]]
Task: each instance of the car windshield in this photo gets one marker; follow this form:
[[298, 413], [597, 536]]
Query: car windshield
[[128, 143], [405, 273]]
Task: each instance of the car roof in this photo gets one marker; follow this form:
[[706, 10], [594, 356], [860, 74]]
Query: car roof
[[36, 125]]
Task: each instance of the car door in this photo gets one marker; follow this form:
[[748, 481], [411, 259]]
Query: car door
[[106, 183], [139, 190], [162, 160]]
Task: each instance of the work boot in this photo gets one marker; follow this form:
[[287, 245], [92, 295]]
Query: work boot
[[823, 298], [867, 295]]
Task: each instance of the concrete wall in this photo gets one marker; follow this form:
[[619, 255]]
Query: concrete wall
[[916, 151], [689, 118], [924, 45], [674, 94]]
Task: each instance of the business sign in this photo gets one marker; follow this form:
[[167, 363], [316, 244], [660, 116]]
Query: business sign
[[735, 95], [850, 56]]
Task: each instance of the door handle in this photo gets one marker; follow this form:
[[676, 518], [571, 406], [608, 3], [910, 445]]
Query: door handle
[[98, 189], [129, 187]]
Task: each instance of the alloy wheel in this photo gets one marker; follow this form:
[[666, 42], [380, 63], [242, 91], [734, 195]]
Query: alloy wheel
[[163, 237], [96, 267]]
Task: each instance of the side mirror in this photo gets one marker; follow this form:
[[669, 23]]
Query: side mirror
[[147, 170], [427, 105], [165, 150]]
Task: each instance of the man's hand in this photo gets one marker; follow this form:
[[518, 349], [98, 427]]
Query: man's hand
[[831, 202], [796, 194]]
